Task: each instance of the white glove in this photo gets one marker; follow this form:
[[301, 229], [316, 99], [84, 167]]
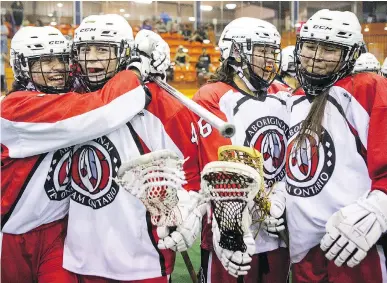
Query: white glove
[[236, 263], [152, 55], [192, 212], [275, 223], [354, 229]]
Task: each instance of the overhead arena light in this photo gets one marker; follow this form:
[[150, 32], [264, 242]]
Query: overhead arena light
[[53, 23], [205, 8], [206, 41], [366, 29], [231, 6], [126, 15], [191, 19], [122, 10], [60, 5]]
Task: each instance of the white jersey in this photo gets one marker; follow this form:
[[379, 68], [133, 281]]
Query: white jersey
[[109, 232], [260, 123], [321, 180]]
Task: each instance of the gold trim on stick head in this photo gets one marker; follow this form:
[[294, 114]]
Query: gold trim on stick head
[[253, 158]]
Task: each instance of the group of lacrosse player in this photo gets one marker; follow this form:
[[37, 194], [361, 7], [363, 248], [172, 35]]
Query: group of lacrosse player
[[106, 175]]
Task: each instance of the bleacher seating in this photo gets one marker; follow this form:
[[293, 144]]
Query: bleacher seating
[[188, 73]]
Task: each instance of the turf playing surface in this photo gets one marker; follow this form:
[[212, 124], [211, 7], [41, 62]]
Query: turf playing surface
[[180, 273]]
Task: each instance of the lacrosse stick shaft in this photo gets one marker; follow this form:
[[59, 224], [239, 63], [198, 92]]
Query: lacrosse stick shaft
[[226, 129], [285, 237], [240, 279], [189, 266]]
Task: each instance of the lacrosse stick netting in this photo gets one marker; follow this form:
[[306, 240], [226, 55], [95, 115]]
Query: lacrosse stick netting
[[253, 158], [230, 186], [155, 179]]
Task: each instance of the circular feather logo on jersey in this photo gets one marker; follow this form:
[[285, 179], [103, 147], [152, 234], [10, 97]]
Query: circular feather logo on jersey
[[58, 183], [268, 136], [309, 166], [95, 164]]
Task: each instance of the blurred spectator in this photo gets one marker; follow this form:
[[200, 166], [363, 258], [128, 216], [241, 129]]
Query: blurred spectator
[[165, 17], [161, 27], [204, 60], [39, 23], [371, 18], [26, 23], [174, 27], [146, 25], [8, 24], [181, 57], [203, 67], [4, 53], [17, 13], [186, 32], [199, 35]]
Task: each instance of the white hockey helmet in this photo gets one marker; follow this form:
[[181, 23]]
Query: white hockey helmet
[[287, 61], [237, 44], [339, 29], [108, 30], [383, 69], [367, 62], [31, 44]]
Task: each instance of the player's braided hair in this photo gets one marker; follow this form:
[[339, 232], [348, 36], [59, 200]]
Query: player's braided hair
[[313, 121]]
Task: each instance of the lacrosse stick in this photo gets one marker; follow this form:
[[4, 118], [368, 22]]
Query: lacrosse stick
[[226, 129], [230, 186], [155, 178], [252, 158]]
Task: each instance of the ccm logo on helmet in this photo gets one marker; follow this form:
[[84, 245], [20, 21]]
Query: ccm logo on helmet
[[56, 42], [322, 27], [87, 29]]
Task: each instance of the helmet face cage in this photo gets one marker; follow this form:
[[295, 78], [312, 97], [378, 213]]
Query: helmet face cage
[[81, 62], [316, 83], [26, 77], [245, 60]]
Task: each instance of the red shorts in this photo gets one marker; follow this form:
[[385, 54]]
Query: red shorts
[[315, 268], [269, 267], [36, 256], [96, 279]]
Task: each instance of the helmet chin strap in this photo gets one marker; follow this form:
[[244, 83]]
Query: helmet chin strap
[[239, 71]]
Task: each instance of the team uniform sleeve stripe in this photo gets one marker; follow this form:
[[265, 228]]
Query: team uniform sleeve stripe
[[25, 139]]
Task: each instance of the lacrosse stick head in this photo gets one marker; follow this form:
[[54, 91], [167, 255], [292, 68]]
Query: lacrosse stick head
[[253, 158], [230, 186], [155, 178]]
